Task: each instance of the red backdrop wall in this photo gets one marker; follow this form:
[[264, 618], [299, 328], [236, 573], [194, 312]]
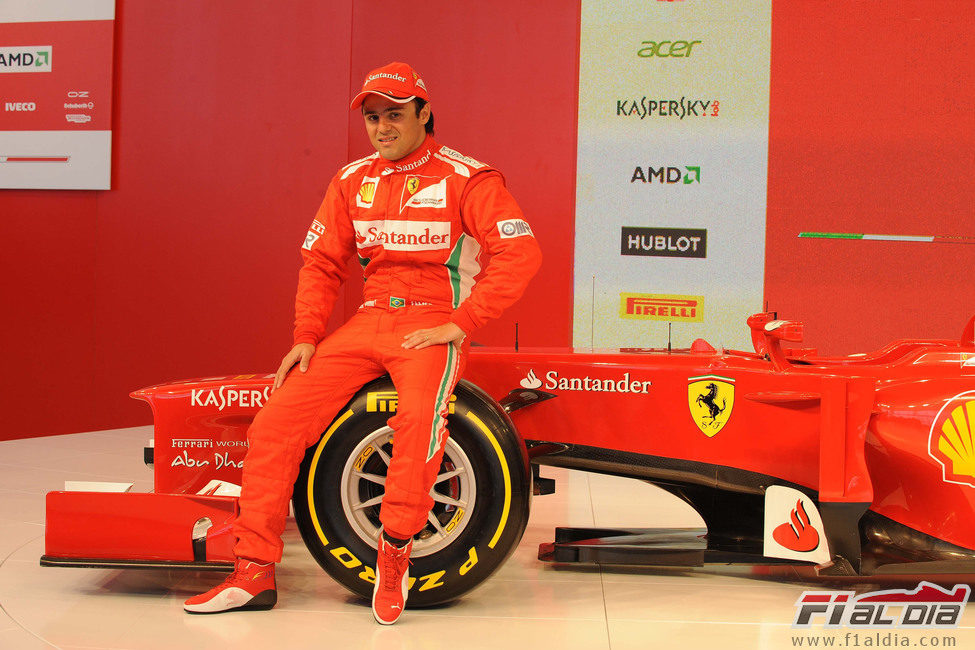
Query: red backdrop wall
[[230, 118], [872, 130]]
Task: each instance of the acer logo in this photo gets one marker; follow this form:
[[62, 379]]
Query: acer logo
[[665, 49]]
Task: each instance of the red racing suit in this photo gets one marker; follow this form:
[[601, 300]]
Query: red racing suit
[[418, 226]]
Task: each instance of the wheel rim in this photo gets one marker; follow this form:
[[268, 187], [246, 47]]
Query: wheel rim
[[364, 483]]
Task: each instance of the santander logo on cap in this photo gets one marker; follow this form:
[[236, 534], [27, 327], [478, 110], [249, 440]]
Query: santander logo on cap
[[396, 81], [384, 75]]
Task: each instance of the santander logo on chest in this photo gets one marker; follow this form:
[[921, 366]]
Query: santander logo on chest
[[402, 235]]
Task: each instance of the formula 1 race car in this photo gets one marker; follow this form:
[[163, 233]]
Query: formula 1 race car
[[854, 465]]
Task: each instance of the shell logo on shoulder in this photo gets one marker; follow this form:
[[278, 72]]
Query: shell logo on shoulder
[[367, 192], [711, 399], [951, 441], [793, 526]]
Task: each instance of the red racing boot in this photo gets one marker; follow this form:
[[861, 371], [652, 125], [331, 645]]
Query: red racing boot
[[392, 581], [250, 586]]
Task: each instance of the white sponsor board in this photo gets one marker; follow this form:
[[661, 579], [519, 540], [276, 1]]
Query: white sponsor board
[[56, 82], [38, 11], [673, 134], [52, 160]]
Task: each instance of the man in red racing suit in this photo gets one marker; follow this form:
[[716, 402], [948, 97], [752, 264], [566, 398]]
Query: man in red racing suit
[[417, 215]]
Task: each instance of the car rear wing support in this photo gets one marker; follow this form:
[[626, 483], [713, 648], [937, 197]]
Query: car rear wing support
[[845, 488]]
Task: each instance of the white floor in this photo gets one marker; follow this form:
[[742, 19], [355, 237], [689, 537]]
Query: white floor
[[527, 604]]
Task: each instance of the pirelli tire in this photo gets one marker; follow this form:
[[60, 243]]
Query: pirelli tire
[[481, 500]]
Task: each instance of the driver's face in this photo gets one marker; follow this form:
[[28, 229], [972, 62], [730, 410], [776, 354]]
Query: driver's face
[[394, 129]]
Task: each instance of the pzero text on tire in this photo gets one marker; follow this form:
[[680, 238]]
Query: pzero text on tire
[[481, 498]]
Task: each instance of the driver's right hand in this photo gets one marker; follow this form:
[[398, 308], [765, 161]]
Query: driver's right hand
[[301, 354]]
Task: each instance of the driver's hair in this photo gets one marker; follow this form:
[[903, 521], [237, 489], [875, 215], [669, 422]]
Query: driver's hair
[[419, 103]]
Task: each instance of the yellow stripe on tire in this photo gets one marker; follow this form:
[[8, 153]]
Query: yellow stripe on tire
[[311, 473], [504, 470]]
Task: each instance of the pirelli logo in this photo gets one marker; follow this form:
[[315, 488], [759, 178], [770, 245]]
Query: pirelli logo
[[648, 306], [386, 401]]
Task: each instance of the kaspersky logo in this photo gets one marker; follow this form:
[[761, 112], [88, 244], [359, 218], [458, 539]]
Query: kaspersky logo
[[951, 439], [27, 58], [645, 107]]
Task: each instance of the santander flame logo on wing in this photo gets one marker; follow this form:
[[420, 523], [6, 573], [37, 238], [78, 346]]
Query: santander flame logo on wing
[[531, 381], [797, 535], [793, 528]]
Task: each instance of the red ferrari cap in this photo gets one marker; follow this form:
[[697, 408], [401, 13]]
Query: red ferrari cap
[[396, 81]]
